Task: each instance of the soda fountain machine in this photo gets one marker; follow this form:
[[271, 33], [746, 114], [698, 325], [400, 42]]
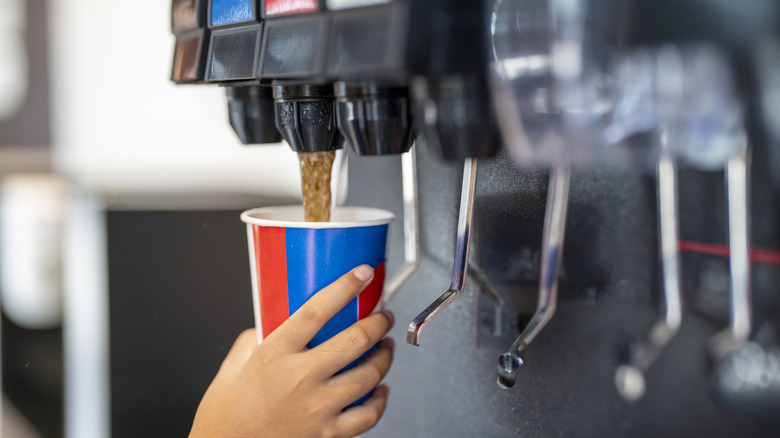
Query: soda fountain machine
[[601, 126]]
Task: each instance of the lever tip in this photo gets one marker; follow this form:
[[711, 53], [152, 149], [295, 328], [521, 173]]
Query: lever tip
[[508, 364], [630, 382], [413, 334], [725, 342]]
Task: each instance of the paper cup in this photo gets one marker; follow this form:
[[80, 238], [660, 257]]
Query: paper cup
[[291, 260]]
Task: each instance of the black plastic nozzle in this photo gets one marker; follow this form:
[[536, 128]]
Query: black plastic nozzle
[[251, 111], [305, 116], [374, 119], [454, 116]]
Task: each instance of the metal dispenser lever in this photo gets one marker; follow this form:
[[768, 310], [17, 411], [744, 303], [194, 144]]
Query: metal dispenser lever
[[411, 227], [460, 265], [552, 254], [674, 79], [737, 179], [630, 377]]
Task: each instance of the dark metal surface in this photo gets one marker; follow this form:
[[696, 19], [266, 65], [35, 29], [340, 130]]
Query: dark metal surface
[[607, 300]]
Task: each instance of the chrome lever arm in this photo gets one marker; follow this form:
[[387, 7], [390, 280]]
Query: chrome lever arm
[[552, 254], [460, 265], [630, 377], [737, 179]]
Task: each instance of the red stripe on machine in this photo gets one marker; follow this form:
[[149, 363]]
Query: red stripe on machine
[[271, 276], [763, 256]]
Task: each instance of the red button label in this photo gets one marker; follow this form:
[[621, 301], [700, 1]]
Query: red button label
[[279, 7]]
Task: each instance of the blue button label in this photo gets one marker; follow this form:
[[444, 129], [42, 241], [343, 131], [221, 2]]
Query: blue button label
[[230, 11]]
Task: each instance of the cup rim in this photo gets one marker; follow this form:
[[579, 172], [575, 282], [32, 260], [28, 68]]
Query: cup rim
[[373, 217]]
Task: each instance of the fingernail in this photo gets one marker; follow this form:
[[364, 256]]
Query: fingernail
[[364, 273], [390, 342], [391, 317]]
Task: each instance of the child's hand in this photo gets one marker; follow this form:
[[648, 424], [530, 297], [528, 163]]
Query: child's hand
[[280, 388]]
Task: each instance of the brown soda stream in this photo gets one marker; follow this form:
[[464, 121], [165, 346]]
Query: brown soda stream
[[315, 184]]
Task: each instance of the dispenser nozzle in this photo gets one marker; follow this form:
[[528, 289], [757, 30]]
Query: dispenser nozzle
[[375, 119], [305, 116], [251, 112], [454, 117]]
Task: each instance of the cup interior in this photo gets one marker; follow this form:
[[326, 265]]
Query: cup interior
[[292, 216]]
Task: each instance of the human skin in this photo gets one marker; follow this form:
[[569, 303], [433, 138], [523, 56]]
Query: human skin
[[281, 388]]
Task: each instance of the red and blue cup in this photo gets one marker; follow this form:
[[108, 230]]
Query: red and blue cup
[[291, 260]]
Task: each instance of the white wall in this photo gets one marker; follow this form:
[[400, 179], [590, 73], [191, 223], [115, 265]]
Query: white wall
[[122, 128]]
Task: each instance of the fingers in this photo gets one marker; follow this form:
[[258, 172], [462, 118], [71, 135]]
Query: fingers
[[357, 420], [240, 352], [298, 330], [352, 384], [345, 347]]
